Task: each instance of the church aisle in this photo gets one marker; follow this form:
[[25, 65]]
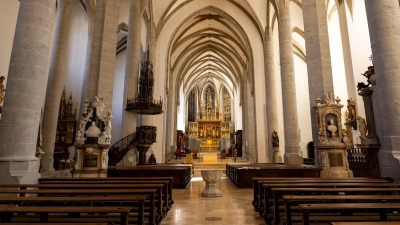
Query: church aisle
[[234, 207]]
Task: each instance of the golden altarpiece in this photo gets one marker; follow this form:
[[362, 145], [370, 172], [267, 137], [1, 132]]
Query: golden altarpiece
[[211, 126]]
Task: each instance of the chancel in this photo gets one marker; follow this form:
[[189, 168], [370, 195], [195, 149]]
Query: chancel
[[139, 105]]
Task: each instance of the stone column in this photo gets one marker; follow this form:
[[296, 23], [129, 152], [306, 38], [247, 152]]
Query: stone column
[[103, 51], [132, 65], [366, 94], [383, 19], [24, 99], [292, 147], [56, 81], [270, 90], [319, 66]]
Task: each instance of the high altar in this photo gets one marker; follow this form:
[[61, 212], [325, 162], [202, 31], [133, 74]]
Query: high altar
[[209, 129]]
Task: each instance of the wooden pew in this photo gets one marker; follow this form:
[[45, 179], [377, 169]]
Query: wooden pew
[[326, 191], [367, 223], [56, 224], [242, 177], [135, 202], [91, 192], [258, 181], [381, 208], [290, 200], [181, 173], [6, 212], [115, 180], [167, 189], [159, 193], [272, 190]]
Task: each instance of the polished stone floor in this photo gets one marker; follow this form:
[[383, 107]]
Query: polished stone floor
[[234, 207]]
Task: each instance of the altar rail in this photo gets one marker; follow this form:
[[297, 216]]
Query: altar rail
[[363, 163]]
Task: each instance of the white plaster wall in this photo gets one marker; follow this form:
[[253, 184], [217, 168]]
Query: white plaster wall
[[303, 103], [296, 13], [338, 69], [77, 46], [144, 34], [181, 111], [8, 19], [124, 11], [118, 96]]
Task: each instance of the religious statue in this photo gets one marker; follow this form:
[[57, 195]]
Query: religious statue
[[201, 114], [275, 139], [105, 137], [93, 131], [351, 108], [107, 119], [152, 159], [2, 89], [79, 139], [332, 128], [321, 136], [329, 98], [99, 105], [362, 126], [345, 139]]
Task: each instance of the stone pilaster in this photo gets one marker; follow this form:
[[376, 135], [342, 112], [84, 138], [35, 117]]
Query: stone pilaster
[[24, 99], [384, 18], [132, 65], [366, 93], [56, 81], [103, 51], [270, 91], [292, 147], [319, 66]]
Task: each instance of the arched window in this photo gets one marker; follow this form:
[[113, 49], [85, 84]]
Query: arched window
[[192, 107]]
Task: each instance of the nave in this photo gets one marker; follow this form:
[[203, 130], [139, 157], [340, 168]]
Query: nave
[[234, 207]]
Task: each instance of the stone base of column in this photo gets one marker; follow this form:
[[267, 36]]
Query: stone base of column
[[389, 164], [19, 172], [276, 158], [47, 164], [334, 161], [293, 159]]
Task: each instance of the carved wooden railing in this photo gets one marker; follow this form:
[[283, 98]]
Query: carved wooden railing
[[363, 162], [120, 148]]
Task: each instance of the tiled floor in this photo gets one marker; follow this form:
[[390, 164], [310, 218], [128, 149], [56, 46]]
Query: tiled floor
[[234, 207]]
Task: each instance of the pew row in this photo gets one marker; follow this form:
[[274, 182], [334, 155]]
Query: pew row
[[118, 180], [241, 174], [289, 181], [82, 193]]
